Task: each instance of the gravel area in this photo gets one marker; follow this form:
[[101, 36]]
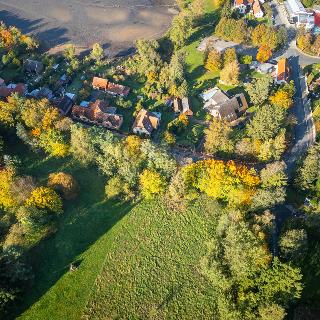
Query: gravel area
[[114, 23]]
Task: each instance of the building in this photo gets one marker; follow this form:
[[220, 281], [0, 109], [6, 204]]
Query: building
[[146, 122], [33, 66], [182, 106], [221, 106], [282, 71], [299, 15], [98, 113], [12, 88], [64, 104], [109, 87], [243, 6], [266, 68], [257, 10]]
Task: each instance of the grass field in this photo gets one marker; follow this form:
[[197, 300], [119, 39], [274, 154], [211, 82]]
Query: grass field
[[152, 266]]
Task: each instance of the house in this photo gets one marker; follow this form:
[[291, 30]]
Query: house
[[266, 68], [64, 104], [146, 122], [299, 15], [6, 91], [41, 93], [257, 10], [182, 106], [98, 113], [242, 5], [33, 66], [109, 87], [221, 106], [282, 71]]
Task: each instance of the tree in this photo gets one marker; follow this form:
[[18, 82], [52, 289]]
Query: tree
[[217, 137], [7, 199], [272, 312], [181, 28], [151, 183], [70, 52], [234, 184], [21, 188], [230, 73], [264, 54], [45, 198], [214, 61], [81, 145], [282, 99], [309, 172], [148, 57], [263, 35], [114, 188], [64, 183], [273, 175], [97, 52], [232, 29], [268, 198], [294, 244], [230, 55], [266, 123], [259, 90]]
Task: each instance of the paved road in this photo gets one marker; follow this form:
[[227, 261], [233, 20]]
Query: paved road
[[291, 49]]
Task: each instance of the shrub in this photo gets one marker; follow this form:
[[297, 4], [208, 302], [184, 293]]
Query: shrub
[[65, 184], [45, 198]]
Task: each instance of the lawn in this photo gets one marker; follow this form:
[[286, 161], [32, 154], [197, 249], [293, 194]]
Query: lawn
[[151, 269]]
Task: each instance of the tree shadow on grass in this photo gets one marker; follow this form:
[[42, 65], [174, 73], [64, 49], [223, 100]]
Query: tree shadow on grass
[[84, 221]]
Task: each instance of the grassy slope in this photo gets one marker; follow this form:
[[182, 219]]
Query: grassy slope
[[57, 293], [152, 266]]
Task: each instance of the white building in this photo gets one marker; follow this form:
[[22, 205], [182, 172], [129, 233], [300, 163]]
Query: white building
[[298, 14]]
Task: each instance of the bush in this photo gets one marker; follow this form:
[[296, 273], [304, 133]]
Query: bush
[[45, 198], [65, 184], [114, 188]]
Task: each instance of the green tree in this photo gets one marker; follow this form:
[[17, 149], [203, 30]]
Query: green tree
[[229, 56], [81, 145], [97, 53], [181, 28], [259, 90], [293, 245], [266, 123]]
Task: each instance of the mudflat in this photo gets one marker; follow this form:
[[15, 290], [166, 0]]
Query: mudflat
[[114, 23]]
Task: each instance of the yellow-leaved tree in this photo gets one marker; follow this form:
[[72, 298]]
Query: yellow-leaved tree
[[151, 183], [6, 179], [229, 182], [45, 198]]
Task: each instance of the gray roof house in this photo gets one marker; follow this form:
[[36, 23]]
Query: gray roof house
[[221, 106]]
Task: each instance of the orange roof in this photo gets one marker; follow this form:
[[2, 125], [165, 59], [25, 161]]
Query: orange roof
[[99, 83], [146, 120], [243, 2], [282, 70], [256, 7]]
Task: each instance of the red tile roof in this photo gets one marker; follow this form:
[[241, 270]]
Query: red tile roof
[[6, 92]]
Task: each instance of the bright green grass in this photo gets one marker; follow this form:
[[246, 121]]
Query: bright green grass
[[151, 269]]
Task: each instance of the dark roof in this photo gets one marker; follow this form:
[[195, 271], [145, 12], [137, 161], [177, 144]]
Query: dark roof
[[33, 66], [65, 104]]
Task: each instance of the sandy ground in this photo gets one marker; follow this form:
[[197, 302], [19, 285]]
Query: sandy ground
[[114, 23]]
